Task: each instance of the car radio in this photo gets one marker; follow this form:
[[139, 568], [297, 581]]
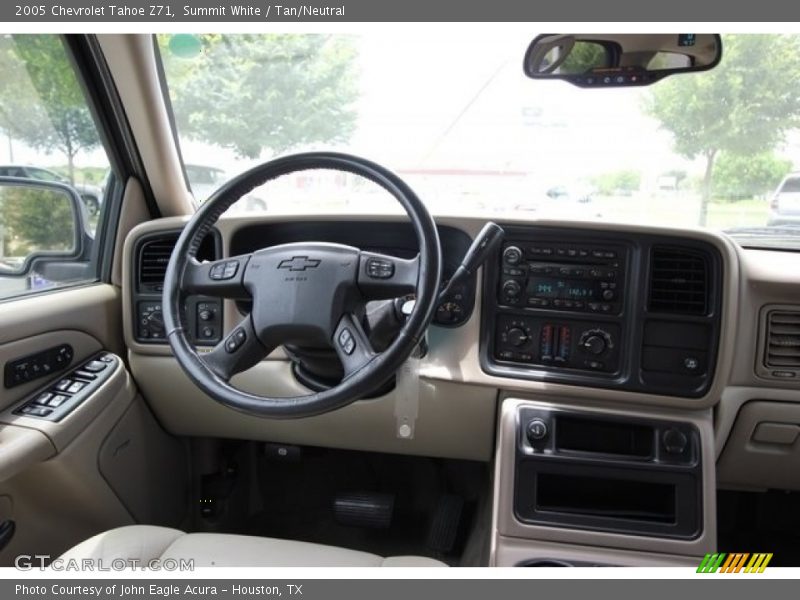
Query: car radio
[[563, 276]]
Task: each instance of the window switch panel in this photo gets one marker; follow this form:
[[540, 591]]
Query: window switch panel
[[65, 394]]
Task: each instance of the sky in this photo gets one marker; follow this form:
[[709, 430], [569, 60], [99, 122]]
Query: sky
[[461, 101]]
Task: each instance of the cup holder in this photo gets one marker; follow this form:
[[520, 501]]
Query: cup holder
[[547, 562]]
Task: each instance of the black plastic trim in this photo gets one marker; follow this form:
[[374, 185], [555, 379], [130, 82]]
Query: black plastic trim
[[138, 296], [681, 473], [630, 376]]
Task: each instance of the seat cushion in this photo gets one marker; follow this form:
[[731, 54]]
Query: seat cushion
[[145, 543]]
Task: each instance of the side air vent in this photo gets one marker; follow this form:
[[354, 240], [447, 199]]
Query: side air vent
[[679, 281], [783, 339], [153, 260]]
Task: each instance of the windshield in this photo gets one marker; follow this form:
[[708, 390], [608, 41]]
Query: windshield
[[454, 115]]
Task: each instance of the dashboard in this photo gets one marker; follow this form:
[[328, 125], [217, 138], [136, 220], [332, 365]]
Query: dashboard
[[586, 322]]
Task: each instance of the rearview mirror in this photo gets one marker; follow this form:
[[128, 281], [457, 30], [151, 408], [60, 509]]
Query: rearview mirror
[[605, 60], [39, 221]]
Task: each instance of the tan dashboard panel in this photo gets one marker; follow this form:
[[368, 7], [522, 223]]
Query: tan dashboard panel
[[456, 356], [763, 449], [92, 309], [455, 420]]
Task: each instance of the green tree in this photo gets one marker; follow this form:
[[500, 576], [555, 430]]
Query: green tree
[[584, 57], [34, 219], [743, 107], [41, 102], [738, 177], [256, 92]]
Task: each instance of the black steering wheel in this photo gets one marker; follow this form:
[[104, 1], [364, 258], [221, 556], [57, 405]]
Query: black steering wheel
[[308, 292]]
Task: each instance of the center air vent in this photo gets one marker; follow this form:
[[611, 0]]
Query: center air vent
[[153, 260], [783, 339], [679, 281]]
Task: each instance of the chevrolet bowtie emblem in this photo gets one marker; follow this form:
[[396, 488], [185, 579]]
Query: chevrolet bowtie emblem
[[299, 263]]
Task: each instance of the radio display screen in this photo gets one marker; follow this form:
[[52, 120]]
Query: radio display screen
[[566, 289]]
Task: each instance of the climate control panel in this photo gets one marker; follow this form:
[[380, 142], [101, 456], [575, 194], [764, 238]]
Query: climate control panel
[[563, 343]]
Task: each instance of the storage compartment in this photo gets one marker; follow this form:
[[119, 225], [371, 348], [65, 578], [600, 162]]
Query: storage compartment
[[606, 498], [630, 498], [576, 434], [763, 448]]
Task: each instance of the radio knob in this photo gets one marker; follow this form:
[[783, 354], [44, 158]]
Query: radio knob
[[608, 294], [517, 337], [512, 255], [594, 344], [511, 289]]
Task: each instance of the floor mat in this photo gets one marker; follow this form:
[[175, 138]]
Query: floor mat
[[761, 522], [298, 498]]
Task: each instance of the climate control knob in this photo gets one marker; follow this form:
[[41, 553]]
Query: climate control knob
[[512, 255], [517, 337], [595, 342], [511, 289]]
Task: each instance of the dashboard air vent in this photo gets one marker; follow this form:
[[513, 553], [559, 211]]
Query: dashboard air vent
[[783, 339], [679, 281], [153, 260], [154, 255]]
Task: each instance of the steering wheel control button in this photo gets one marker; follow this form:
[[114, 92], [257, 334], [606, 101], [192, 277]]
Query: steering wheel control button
[[235, 340], [379, 268], [231, 267], [217, 272], [346, 341], [224, 270]]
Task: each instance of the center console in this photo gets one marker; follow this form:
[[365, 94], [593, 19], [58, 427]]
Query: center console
[[589, 480], [618, 474]]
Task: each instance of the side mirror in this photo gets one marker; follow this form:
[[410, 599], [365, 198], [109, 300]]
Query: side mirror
[[41, 222], [603, 60]]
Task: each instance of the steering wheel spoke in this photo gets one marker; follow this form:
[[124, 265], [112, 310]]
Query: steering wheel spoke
[[220, 278], [381, 276], [237, 352], [352, 345]]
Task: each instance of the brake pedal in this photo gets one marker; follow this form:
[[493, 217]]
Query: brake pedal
[[364, 509]]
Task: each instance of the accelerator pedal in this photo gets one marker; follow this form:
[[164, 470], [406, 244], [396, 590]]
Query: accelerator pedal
[[444, 526]]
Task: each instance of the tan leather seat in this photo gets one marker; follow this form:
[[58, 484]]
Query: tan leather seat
[[146, 543]]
